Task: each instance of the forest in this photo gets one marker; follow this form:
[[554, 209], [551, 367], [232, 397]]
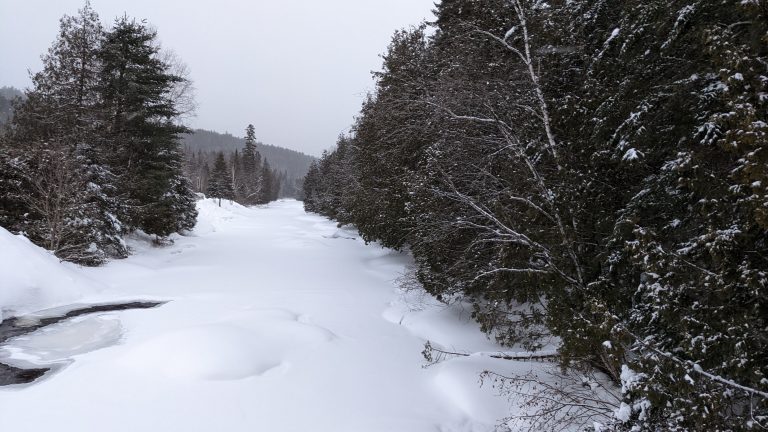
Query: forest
[[93, 151], [589, 172], [287, 167], [243, 178], [295, 164], [7, 96]]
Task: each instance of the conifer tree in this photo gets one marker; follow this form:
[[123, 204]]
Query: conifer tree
[[238, 176], [251, 167], [593, 171], [311, 189], [137, 94], [220, 183], [266, 184], [61, 119]]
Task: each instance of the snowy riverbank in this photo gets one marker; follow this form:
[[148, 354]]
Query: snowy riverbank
[[276, 320]]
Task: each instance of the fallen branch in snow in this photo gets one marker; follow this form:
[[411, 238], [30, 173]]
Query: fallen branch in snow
[[436, 355]]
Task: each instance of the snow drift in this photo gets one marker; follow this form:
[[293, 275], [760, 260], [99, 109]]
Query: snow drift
[[32, 278]]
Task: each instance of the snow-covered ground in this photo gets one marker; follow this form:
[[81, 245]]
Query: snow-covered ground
[[276, 321]]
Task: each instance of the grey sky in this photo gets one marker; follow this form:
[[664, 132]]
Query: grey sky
[[297, 69]]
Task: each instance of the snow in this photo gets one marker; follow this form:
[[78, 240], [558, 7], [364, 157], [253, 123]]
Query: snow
[[510, 32], [449, 327], [631, 155], [457, 381], [275, 320], [623, 413], [33, 279], [614, 34], [629, 378]]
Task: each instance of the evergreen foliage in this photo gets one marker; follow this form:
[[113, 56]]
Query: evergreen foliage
[[138, 89], [7, 97], [289, 166], [92, 151], [251, 166], [68, 186], [220, 184], [594, 171], [252, 181]]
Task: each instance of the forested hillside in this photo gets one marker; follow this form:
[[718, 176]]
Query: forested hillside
[[241, 175], [292, 165], [593, 171]]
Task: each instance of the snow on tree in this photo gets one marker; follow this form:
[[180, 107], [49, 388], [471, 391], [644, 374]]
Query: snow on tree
[[588, 170], [138, 95]]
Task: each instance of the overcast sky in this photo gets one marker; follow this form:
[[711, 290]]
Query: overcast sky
[[297, 69]]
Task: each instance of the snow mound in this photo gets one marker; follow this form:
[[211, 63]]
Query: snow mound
[[211, 215], [214, 352], [211, 210], [211, 205], [225, 351], [34, 279]]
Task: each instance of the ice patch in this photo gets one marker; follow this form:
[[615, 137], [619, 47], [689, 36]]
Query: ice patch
[[59, 342]]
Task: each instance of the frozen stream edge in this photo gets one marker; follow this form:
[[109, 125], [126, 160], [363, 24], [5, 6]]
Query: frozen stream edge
[[14, 330], [277, 320]]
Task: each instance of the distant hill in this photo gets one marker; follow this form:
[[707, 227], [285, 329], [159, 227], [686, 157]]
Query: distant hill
[[7, 95], [294, 164]]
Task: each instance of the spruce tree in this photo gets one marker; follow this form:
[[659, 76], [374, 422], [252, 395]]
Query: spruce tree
[[266, 184], [220, 183], [251, 167], [137, 88], [311, 189], [61, 119], [238, 177]]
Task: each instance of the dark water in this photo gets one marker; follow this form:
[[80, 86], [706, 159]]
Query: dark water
[[12, 375], [19, 326]]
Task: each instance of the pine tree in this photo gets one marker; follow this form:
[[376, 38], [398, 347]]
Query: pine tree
[[220, 183], [311, 189], [137, 93], [238, 177], [251, 168], [266, 184], [60, 118]]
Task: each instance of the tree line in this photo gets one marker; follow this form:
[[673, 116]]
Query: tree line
[[242, 177], [596, 172], [92, 151], [7, 96], [291, 165]]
